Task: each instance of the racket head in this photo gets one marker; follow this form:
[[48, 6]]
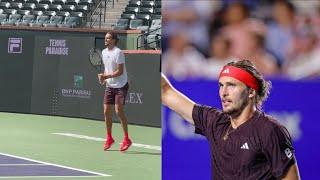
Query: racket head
[[95, 58]]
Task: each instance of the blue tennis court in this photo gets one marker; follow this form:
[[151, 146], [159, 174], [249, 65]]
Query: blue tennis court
[[14, 166]]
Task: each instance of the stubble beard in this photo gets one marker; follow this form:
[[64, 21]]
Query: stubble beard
[[236, 111]]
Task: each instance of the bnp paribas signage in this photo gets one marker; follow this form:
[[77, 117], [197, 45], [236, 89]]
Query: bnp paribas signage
[[77, 91]]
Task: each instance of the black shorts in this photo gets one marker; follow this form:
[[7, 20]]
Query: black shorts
[[116, 95]]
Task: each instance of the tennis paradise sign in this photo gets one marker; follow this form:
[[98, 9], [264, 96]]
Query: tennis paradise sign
[[57, 47]]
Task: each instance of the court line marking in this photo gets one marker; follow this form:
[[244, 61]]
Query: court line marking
[[146, 146], [52, 164], [25, 177], [23, 165]]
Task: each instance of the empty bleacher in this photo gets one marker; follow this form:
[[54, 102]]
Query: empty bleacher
[[44, 13], [144, 15]]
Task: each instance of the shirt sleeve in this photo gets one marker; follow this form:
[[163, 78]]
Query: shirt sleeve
[[279, 150], [204, 118], [120, 59]]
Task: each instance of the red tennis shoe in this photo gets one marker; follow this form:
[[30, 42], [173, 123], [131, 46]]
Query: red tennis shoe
[[126, 143], [108, 144]]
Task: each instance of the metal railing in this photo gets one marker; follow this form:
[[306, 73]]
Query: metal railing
[[96, 15]]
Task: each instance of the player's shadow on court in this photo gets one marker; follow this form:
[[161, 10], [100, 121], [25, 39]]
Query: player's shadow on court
[[138, 152]]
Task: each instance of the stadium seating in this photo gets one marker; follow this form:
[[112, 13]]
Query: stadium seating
[[144, 15], [138, 14], [41, 19], [13, 18], [47, 13], [54, 21], [70, 22], [122, 24], [26, 20]]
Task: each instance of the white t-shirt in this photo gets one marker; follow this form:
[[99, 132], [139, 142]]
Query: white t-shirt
[[111, 58]]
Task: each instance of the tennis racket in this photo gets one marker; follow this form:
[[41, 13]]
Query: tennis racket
[[95, 58]]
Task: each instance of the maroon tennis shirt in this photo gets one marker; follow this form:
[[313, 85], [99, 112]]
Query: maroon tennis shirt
[[260, 148]]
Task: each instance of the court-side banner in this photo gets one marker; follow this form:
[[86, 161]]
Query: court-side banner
[[65, 83], [294, 104], [16, 60], [50, 73]]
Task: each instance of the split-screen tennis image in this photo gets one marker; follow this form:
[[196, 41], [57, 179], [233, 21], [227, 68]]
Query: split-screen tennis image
[[159, 89]]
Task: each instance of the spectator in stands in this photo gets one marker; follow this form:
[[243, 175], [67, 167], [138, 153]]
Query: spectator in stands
[[181, 60], [115, 79], [281, 32], [307, 62], [219, 56], [239, 26], [264, 62], [192, 16]]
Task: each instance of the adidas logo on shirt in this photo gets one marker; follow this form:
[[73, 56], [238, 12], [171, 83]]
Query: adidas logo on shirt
[[245, 146]]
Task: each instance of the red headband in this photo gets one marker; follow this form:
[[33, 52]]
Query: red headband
[[240, 75]]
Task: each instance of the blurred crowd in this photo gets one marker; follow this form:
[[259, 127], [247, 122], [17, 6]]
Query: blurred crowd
[[280, 37]]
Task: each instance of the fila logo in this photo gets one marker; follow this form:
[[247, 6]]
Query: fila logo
[[226, 71], [245, 146]]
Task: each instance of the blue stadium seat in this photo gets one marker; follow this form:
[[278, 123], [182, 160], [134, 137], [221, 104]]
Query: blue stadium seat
[[49, 13], [147, 4], [54, 7], [146, 10], [68, 8], [4, 5], [157, 11], [45, 1], [157, 4], [3, 18], [155, 16], [13, 18], [9, 11], [28, 6], [16, 5], [60, 2], [135, 23], [23, 12], [70, 22], [134, 3], [26, 19], [85, 2], [81, 8], [41, 19], [131, 10], [72, 2], [63, 13], [41, 7], [122, 24], [36, 12], [128, 16], [54, 21]]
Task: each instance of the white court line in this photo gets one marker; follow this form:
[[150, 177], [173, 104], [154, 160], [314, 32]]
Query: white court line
[[46, 163], [25, 177], [23, 165], [146, 146]]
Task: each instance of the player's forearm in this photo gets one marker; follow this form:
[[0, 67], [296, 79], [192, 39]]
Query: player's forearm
[[176, 101], [114, 74], [293, 173]]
